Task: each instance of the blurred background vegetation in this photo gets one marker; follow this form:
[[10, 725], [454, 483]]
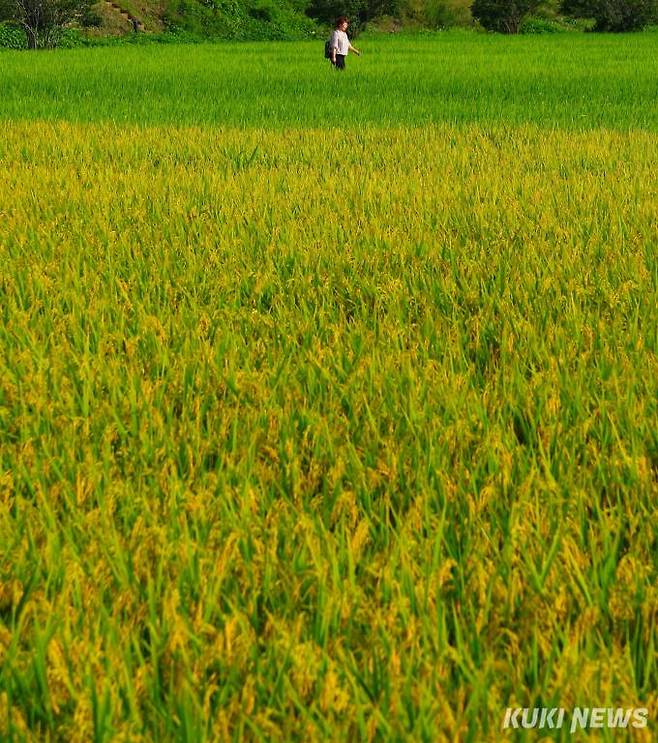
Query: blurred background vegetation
[[83, 22]]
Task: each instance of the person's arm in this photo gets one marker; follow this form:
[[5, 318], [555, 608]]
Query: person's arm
[[334, 46], [354, 49]]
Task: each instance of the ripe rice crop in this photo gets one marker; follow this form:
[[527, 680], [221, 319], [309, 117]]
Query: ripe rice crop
[[323, 434]]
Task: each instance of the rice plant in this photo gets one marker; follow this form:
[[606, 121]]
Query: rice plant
[[323, 433]]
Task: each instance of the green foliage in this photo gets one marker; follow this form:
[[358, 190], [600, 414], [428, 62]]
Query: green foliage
[[11, 37], [360, 12], [234, 19], [437, 14], [541, 25], [326, 12], [504, 16], [44, 21], [533, 25], [7, 11], [90, 18], [614, 15]]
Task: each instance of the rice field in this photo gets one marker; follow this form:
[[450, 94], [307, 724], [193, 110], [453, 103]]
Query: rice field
[[328, 404]]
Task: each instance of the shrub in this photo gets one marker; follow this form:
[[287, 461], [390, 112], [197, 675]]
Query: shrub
[[539, 25], [613, 15], [11, 37], [91, 18], [326, 12], [238, 19], [438, 13], [360, 12], [504, 16]]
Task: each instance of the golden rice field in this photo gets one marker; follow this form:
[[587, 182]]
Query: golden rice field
[[325, 435]]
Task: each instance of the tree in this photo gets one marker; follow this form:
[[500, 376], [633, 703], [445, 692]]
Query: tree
[[504, 16], [613, 15], [358, 11], [43, 20]]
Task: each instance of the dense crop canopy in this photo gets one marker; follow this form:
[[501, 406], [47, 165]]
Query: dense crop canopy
[[311, 434]]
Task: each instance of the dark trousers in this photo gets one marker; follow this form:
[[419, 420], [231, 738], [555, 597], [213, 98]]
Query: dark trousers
[[340, 62]]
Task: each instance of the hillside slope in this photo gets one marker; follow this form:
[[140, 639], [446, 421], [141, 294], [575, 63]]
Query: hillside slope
[[230, 19]]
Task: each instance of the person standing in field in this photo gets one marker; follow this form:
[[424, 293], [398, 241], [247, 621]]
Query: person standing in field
[[340, 44]]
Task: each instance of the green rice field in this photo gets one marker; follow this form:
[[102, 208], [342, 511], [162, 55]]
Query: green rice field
[[328, 401]]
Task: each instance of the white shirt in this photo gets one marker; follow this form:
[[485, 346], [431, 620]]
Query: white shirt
[[340, 42]]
